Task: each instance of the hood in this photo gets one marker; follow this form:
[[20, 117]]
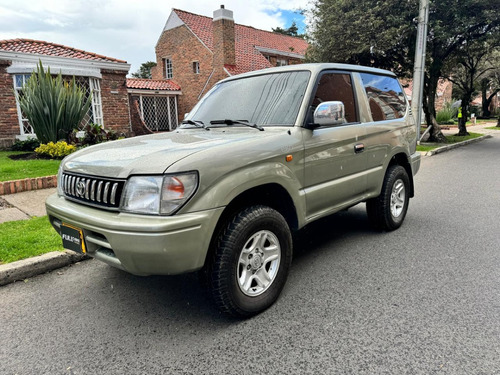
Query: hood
[[153, 154]]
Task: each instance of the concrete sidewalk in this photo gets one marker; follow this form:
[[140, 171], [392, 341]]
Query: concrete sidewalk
[[22, 206]]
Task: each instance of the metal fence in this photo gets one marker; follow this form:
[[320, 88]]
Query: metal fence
[[159, 113]]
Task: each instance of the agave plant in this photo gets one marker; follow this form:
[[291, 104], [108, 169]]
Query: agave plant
[[52, 106]]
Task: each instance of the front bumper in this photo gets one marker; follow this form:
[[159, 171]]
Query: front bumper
[[139, 244]]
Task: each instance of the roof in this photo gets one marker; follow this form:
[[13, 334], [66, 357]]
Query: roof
[[152, 84], [248, 57], [40, 47]]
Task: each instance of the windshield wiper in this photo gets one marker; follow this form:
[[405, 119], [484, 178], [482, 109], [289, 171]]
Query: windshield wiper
[[197, 123], [239, 122]]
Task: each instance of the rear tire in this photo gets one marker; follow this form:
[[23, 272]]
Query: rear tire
[[388, 210], [250, 262]]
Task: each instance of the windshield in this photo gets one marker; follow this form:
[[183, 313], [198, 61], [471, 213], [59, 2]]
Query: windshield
[[269, 99]]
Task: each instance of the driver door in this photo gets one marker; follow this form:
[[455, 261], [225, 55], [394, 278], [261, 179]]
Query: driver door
[[335, 163]]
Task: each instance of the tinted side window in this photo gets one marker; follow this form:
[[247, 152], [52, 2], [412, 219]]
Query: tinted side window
[[385, 96], [337, 87]]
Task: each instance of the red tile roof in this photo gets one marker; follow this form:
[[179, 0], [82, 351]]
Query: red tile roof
[[248, 58], [152, 84], [40, 47]]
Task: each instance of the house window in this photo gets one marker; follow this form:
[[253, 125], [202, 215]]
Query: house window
[[281, 62], [169, 71], [90, 86], [159, 113], [24, 125], [196, 67]]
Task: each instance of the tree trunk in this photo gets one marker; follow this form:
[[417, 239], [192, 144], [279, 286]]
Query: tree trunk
[[498, 122], [436, 135], [485, 104], [462, 129]]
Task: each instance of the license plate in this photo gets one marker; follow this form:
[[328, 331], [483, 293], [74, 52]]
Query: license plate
[[72, 238]]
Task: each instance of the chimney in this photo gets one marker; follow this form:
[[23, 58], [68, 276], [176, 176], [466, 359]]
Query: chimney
[[223, 29]]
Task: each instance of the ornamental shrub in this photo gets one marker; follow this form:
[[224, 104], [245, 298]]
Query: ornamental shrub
[[55, 150], [93, 134], [445, 116], [52, 106], [29, 144]]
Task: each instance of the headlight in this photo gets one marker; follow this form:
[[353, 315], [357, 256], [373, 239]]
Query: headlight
[[60, 191], [158, 195]]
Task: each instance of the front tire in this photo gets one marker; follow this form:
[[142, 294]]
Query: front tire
[[250, 262], [388, 210]]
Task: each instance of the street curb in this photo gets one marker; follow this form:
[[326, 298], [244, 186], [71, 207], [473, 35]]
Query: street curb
[[26, 268], [456, 145]]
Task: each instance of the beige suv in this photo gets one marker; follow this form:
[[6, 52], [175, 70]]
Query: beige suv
[[261, 155]]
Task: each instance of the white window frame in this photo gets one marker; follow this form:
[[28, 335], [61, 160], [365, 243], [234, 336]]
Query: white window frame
[[281, 62], [169, 69], [20, 117], [95, 88]]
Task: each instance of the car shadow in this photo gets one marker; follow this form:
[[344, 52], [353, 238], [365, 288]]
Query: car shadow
[[184, 298]]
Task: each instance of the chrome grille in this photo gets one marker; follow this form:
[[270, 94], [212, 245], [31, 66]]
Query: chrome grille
[[94, 191]]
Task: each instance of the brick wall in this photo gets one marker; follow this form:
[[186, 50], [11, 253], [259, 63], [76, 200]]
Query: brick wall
[[9, 124], [224, 51], [27, 184], [115, 102], [183, 48]]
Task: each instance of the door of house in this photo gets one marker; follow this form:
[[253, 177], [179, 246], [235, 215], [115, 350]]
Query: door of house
[[159, 113]]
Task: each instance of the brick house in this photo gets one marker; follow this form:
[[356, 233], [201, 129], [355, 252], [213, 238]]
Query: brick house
[[196, 51], [103, 76]]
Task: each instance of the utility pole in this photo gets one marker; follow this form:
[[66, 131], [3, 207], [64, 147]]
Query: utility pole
[[419, 66]]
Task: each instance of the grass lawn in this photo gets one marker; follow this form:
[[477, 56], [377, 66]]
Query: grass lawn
[[27, 238], [494, 128], [424, 147], [479, 121], [19, 169]]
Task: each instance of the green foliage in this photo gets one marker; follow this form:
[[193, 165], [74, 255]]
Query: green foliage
[[52, 106], [56, 150], [293, 30], [93, 134], [19, 169], [383, 34], [28, 145], [364, 32], [27, 238], [446, 115], [428, 146], [144, 70]]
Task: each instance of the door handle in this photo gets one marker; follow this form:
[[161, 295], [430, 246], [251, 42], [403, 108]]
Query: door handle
[[359, 147]]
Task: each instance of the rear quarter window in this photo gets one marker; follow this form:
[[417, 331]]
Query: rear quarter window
[[385, 96]]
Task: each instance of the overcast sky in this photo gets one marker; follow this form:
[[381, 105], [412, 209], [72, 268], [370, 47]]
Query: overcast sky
[[127, 29]]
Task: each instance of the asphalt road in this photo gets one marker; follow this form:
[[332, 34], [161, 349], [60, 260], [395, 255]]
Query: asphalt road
[[422, 300]]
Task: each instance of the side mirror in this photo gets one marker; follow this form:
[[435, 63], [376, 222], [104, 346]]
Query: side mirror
[[329, 113]]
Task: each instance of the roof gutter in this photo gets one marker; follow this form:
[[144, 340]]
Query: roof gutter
[[27, 62], [272, 51]]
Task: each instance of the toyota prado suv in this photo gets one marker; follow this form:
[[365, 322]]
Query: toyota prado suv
[[261, 155]]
